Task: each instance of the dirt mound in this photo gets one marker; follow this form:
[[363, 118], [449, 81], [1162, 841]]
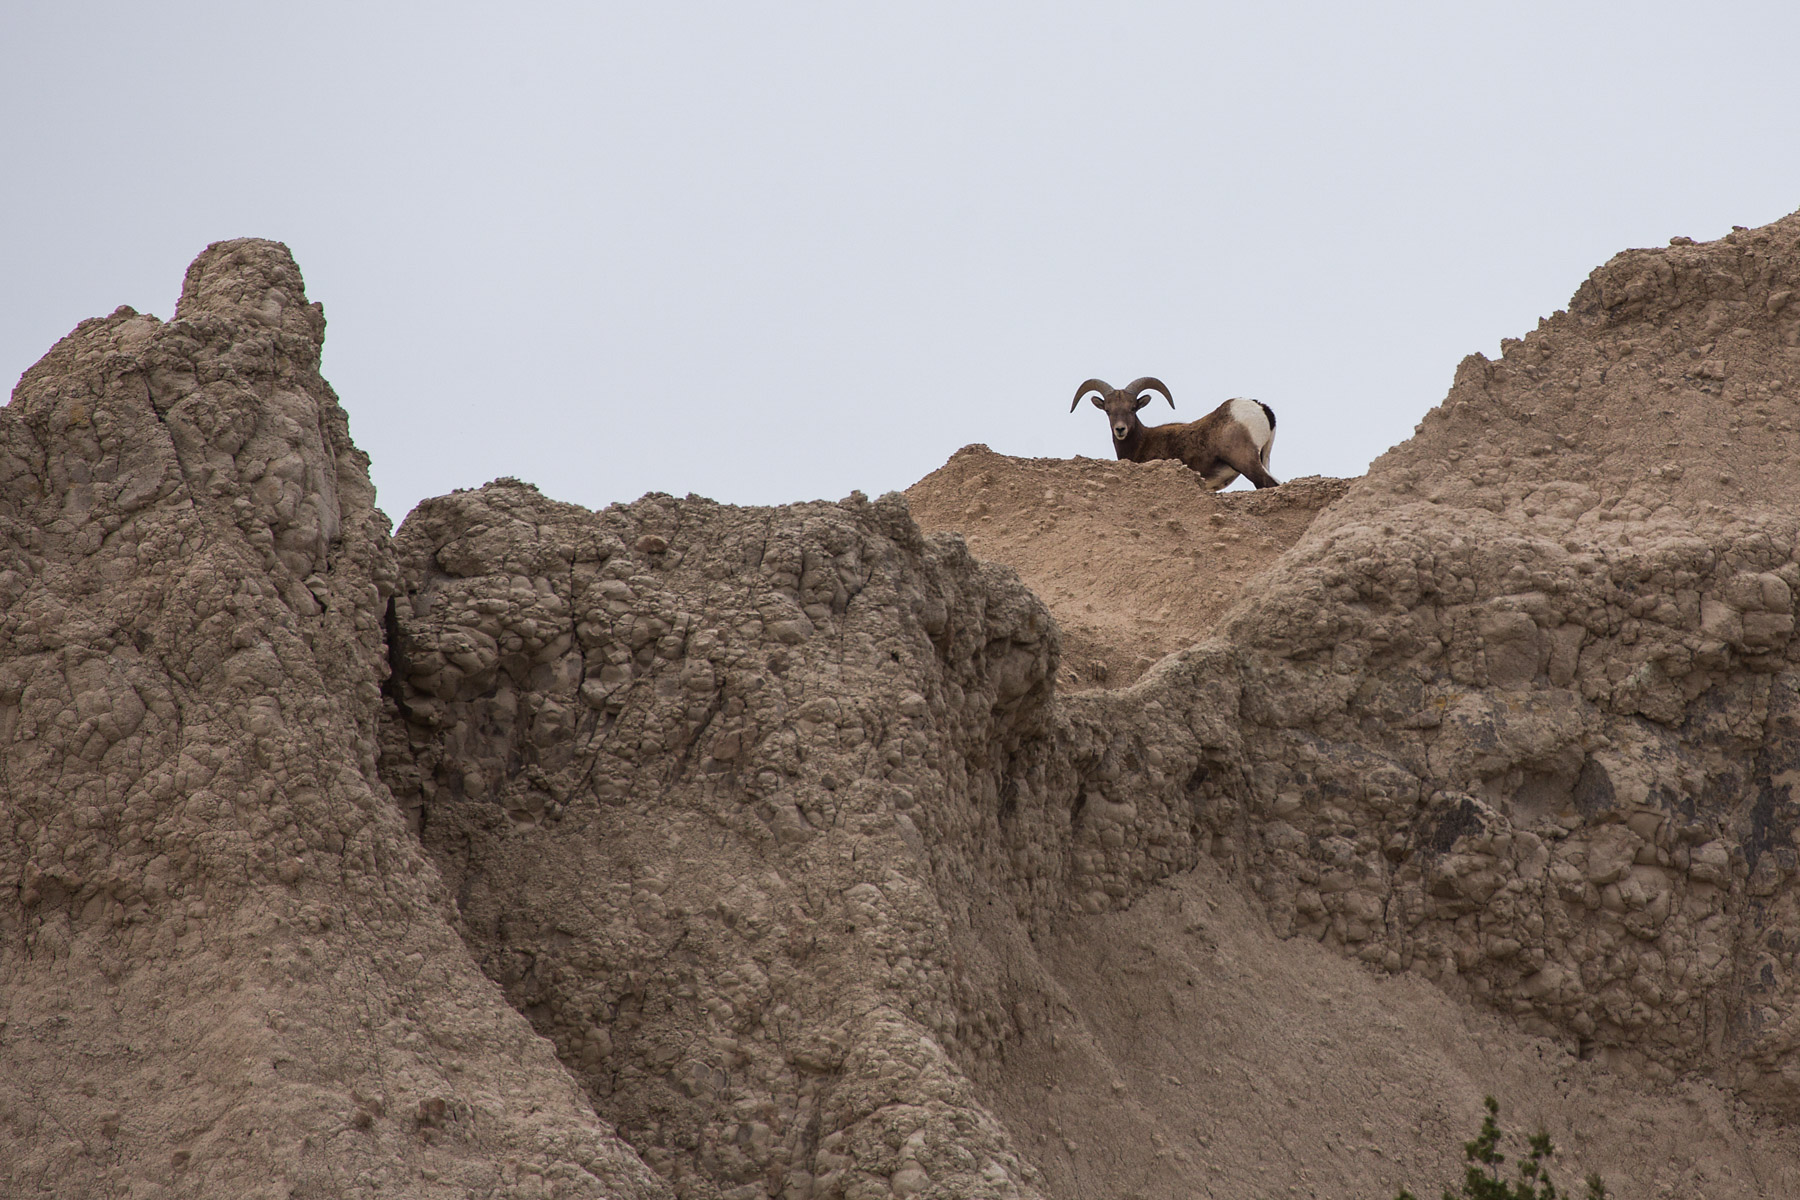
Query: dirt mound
[[1136, 561]]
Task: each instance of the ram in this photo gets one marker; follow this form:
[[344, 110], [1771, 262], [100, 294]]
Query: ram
[[1233, 439]]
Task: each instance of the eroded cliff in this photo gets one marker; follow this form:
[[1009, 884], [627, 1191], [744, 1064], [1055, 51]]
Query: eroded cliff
[[225, 965], [775, 824], [1514, 716]]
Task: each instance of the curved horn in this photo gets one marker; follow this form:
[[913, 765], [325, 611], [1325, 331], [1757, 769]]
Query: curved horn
[[1092, 385], [1149, 383]]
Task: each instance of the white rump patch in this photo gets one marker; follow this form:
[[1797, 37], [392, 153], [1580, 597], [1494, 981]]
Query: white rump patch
[[1251, 416]]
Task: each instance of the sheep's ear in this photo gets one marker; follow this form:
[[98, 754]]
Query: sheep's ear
[[1098, 402], [1143, 400]]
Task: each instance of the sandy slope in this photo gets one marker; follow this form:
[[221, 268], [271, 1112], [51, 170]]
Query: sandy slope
[[1197, 1054]]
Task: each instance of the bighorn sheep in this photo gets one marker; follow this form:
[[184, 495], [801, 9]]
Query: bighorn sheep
[[1231, 440]]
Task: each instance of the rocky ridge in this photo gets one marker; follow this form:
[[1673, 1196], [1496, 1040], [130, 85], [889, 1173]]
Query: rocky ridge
[[776, 826], [1451, 734], [711, 786]]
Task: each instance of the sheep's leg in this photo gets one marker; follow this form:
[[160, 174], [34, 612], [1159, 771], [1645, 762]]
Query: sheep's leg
[[1245, 457], [1260, 477], [1215, 474]]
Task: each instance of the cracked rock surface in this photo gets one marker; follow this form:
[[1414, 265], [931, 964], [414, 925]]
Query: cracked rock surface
[[711, 787], [688, 850], [225, 968], [759, 814], [1525, 715]]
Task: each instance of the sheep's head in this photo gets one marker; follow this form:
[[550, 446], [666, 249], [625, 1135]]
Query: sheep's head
[[1121, 404]]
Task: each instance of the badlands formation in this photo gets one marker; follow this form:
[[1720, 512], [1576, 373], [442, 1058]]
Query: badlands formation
[[1056, 830]]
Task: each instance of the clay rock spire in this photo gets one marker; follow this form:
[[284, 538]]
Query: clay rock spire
[[224, 964]]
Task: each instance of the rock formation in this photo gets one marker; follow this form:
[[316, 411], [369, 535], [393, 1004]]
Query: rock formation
[[1514, 715], [225, 966], [777, 827], [712, 787], [1525, 713]]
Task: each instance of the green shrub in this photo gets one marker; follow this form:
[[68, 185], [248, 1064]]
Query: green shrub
[[1481, 1178]]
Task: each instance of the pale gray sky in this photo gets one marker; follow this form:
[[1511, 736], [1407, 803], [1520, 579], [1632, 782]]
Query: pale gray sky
[[771, 252]]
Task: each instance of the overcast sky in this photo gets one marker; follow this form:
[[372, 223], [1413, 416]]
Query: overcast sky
[[772, 252]]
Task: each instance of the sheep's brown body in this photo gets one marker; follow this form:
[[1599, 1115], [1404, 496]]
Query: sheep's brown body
[[1233, 439]]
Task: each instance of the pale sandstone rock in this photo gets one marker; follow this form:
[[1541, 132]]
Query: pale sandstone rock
[[1520, 714], [225, 968], [738, 862], [1651, 736], [774, 825]]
